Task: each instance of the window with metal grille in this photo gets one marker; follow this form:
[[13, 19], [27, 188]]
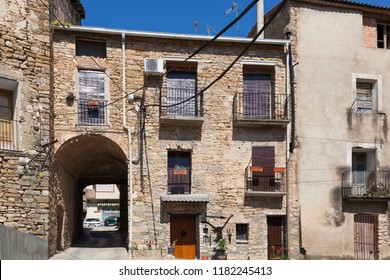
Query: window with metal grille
[[257, 92], [92, 104], [6, 117], [242, 232], [179, 172], [91, 48], [181, 87]]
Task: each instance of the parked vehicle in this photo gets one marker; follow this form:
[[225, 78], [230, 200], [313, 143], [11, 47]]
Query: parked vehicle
[[92, 222], [111, 221]]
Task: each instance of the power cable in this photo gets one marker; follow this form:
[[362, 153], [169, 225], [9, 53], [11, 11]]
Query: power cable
[[160, 76]]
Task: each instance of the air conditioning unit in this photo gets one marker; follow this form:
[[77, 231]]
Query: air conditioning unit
[[154, 66]]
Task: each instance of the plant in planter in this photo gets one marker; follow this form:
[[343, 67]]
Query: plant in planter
[[171, 247], [220, 251], [93, 104], [280, 254]]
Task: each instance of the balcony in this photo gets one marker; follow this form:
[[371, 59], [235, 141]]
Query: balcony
[[179, 181], [366, 185], [92, 114], [178, 109], [253, 109], [9, 135], [265, 182]]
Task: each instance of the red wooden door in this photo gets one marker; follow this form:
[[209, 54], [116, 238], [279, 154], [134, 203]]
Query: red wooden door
[[366, 237], [275, 236], [183, 230]]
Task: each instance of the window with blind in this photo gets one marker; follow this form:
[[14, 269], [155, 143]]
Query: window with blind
[[263, 157], [92, 104], [6, 118], [257, 99], [181, 89]]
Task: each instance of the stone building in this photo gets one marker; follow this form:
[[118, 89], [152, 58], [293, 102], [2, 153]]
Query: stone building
[[341, 57], [191, 164], [26, 134]]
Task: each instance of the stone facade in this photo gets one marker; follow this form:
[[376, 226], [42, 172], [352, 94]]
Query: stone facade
[[329, 62], [220, 150], [26, 131]]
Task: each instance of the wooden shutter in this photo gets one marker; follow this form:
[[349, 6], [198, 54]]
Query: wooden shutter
[[257, 96], [264, 157], [6, 116], [275, 236], [364, 97], [180, 87]]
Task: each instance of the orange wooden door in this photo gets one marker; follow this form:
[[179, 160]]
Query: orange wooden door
[[183, 230]]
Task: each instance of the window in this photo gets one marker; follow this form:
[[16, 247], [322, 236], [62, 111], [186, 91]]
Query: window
[[363, 170], [383, 36], [257, 93], [242, 232], [364, 97], [6, 118], [91, 48], [179, 172], [182, 85], [368, 93], [92, 104], [263, 168]]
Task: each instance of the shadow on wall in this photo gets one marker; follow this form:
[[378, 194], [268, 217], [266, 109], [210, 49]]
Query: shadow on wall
[[263, 134]]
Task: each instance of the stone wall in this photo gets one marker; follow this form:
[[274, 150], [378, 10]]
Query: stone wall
[[25, 62]]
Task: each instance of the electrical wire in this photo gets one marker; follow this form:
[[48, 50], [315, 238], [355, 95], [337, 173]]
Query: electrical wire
[[160, 76]]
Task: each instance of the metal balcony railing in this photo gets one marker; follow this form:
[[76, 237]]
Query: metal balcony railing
[[181, 102], [92, 113], [9, 135], [260, 106], [259, 179], [179, 180], [366, 184]]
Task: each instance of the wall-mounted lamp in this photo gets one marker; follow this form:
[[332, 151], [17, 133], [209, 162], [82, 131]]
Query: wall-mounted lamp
[[70, 98], [230, 233]]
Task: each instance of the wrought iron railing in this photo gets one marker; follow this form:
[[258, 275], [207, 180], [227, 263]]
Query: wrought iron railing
[[260, 106], [181, 102], [366, 184], [9, 135], [92, 112], [179, 180], [259, 179]]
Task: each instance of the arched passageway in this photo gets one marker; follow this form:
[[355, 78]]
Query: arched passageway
[[79, 162]]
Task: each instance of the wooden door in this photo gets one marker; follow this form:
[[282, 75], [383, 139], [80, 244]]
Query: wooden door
[[275, 236], [366, 237], [183, 230]]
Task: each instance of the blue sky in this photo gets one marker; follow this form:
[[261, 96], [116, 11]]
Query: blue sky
[[176, 16]]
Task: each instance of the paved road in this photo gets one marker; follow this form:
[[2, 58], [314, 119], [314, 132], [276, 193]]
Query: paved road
[[99, 243]]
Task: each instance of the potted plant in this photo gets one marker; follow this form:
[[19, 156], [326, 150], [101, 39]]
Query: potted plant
[[92, 103], [220, 252], [171, 247]]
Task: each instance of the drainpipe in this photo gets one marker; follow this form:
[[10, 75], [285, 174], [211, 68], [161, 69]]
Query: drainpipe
[[292, 88], [128, 129]]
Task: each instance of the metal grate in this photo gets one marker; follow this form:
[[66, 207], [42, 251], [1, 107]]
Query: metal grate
[[92, 115], [9, 135]]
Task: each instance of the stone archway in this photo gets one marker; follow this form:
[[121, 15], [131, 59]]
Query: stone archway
[[81, 161]]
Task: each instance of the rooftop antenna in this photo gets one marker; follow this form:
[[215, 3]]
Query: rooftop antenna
[[196, 26], [210, 29], [236, 9]]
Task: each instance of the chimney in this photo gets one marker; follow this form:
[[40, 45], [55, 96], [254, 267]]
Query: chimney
[[260, 17]]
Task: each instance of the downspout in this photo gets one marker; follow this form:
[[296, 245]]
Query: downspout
[[128, 129], [292, 88]]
